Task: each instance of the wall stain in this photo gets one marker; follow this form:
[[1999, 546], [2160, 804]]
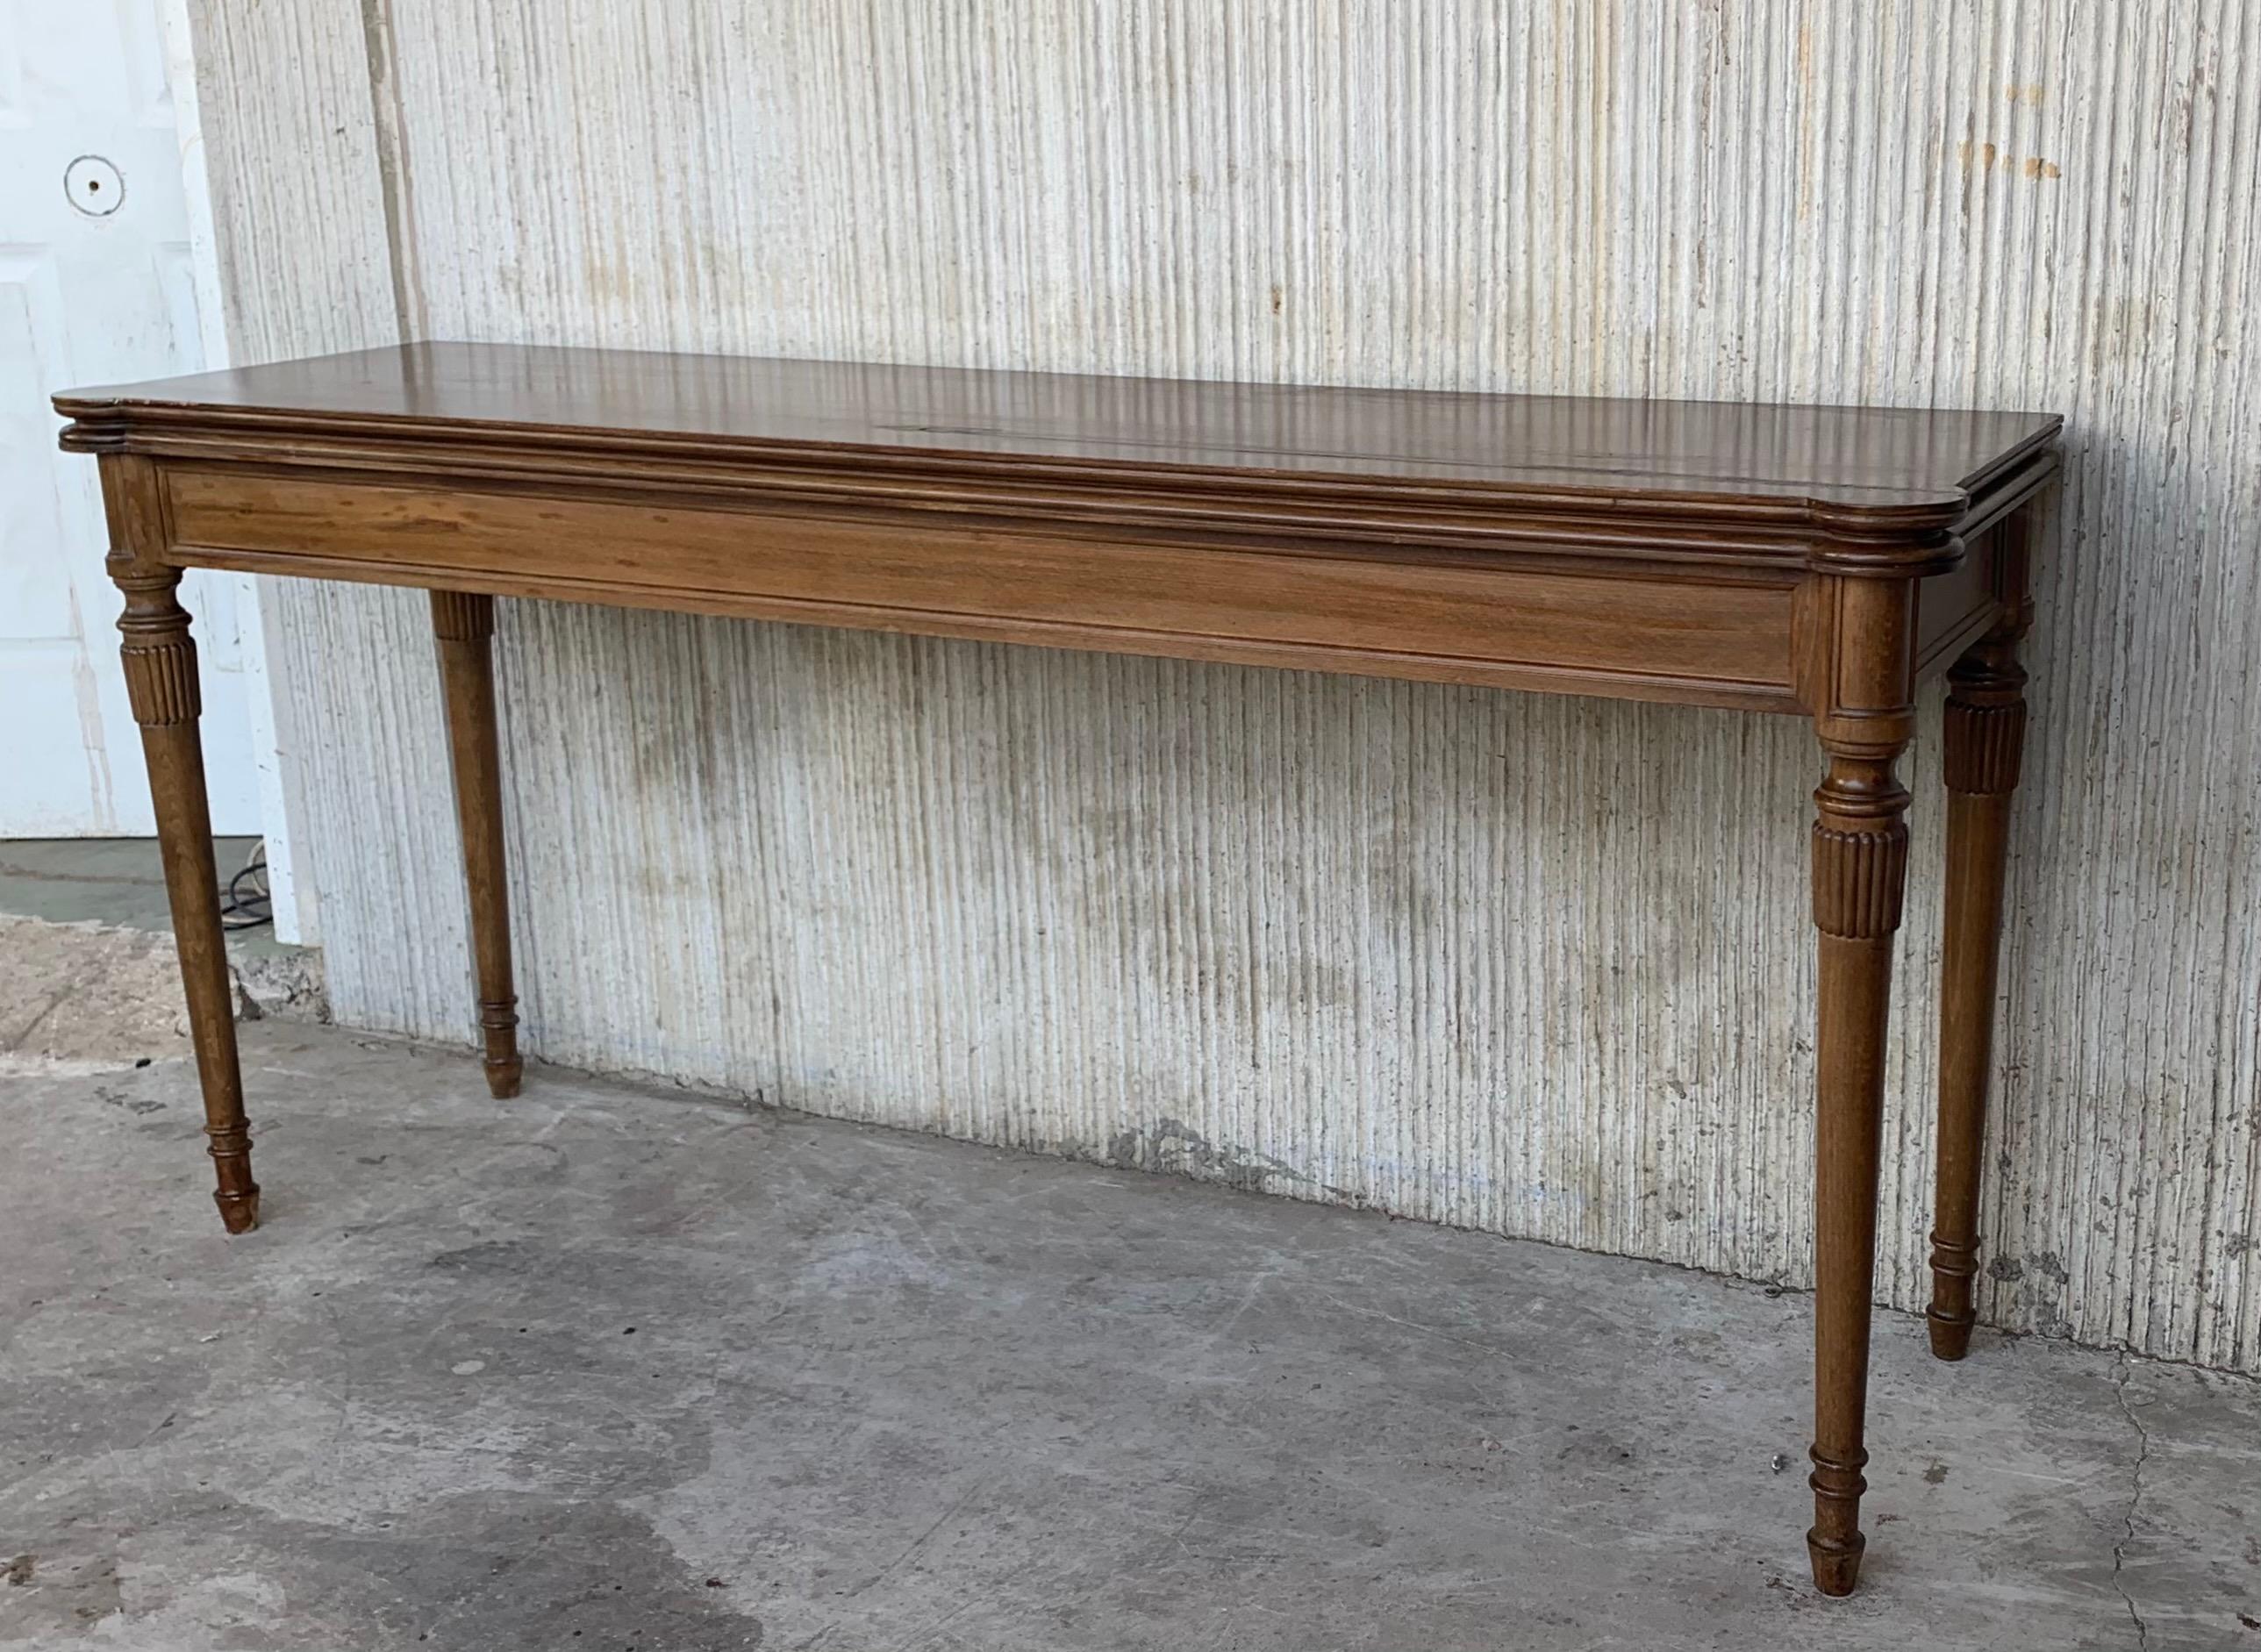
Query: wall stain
[[1986, 157], [1171, 1146]]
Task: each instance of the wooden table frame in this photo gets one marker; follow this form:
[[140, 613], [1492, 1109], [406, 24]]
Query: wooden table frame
[[1830, 592]]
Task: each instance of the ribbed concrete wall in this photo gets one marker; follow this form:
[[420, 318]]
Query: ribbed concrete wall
[[1535, 966]]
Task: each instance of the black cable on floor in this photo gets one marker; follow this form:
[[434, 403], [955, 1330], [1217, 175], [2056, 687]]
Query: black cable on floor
[[245, 904]]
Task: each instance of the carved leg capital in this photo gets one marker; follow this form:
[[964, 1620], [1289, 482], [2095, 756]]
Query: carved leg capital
[[462, 616], [157, 653], [1985, 718], [1859, 859]]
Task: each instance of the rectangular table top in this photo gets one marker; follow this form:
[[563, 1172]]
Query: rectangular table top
[[1656, 549], [1854, 459]]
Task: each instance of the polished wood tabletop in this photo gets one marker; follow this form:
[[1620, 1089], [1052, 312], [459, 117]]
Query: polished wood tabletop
[[1815, 561], [1730, 453]]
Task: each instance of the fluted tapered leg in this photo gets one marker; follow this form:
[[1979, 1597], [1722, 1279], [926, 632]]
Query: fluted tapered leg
[[1985, 738], [1860, 870], [464, 626], [161, 684], [1860, 855]]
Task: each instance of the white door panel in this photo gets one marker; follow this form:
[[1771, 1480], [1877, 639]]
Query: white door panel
[[97, 285]]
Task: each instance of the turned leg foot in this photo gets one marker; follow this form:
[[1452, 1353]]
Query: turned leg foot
[[1950, 1332], [1837, 1560], [498, 1031], [239, 1212]]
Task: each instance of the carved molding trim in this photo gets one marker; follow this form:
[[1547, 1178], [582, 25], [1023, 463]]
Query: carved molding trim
[[1882, 539], [1952, 1259], [1840, 1480]]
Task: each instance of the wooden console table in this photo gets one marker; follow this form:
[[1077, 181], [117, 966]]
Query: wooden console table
[[1821, 561]]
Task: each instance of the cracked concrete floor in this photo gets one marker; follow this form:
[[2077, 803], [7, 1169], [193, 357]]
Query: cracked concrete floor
[[608, 1367]]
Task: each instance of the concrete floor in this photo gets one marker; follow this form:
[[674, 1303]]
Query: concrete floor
[[611, 1367]]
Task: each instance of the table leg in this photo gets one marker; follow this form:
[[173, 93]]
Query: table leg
[[161, 684], [464, 626], [1985, 738], [1860, 867]]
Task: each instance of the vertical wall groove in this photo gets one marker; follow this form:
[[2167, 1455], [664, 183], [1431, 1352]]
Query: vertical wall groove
[[1535, 966]]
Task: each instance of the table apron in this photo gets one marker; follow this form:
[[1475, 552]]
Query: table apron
[[1664, 635]]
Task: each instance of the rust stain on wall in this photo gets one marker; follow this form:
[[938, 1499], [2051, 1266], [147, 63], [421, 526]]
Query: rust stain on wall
[[1986, 157]]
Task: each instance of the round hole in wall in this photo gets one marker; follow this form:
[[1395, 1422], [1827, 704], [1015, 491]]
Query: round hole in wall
[[93, 186]]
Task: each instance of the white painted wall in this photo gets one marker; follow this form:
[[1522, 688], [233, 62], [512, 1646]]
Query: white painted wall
[[99, 283], [1536, 966]]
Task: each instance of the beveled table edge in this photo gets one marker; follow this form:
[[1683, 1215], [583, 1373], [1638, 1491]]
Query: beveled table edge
[[1895, 535]]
